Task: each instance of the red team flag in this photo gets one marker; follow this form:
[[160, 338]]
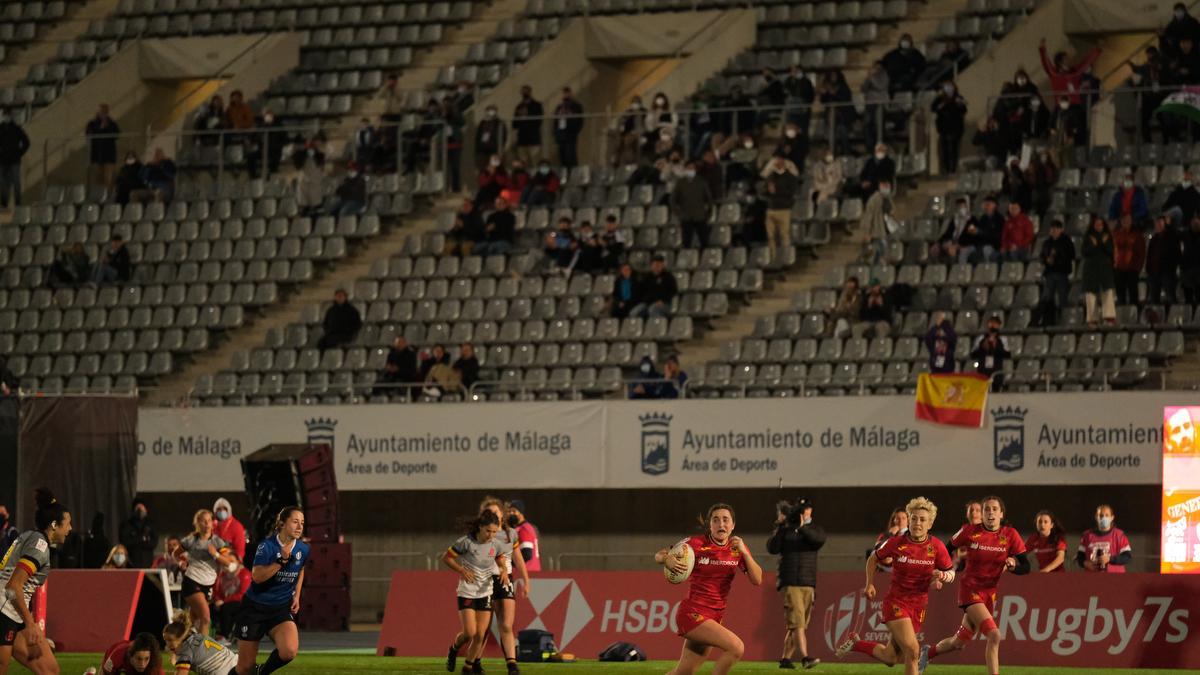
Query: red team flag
[[952, 398]]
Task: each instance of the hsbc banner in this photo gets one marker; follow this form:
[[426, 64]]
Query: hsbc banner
[[1046, 439], [1112, 621], [377, 447]]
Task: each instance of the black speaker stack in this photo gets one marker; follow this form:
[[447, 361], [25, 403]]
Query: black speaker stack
[[281, 475]]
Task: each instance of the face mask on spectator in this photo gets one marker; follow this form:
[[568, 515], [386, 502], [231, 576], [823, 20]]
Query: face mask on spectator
[[544, 169], [1035, 104], [222, 514], [689, 173], [905, 44], [232, 567], [885, 190], [1185, 184], [1179, 13], [790, 133], [1105, 522], [1022, 81], [964, 211], [1064, 104], [495, 162], [119, 559], [660, 102], [949, 89], [352, 174], [829, 159], [749, 145], [665, 138], [880, 155], [131, 161], [1126, 183], [807, 520], [491, 113]]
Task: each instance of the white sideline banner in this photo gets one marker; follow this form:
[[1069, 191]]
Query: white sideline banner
[[381, 447], [1038, 439]]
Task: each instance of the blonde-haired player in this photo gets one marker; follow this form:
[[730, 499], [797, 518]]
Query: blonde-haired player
[[918, 560]]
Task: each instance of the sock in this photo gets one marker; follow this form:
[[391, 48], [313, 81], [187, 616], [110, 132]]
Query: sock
[[865, 647], [459, 641], [273, 663], [933, 652]]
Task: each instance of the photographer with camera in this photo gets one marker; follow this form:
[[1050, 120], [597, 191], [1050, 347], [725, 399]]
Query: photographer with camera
[[990, 353], [796, 541]]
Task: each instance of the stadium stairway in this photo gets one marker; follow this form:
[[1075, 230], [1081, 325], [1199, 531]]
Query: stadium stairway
[[844, 248], [357, 265], [72, 27], [921, 23]]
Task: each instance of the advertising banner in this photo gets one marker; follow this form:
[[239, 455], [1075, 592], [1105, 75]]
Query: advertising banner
[[1040, 439], [1113, 621]]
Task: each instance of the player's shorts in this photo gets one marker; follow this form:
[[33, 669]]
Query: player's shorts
[[254, 620], [905, 608], [9, 630], [483, 604], [689, 616], [797, 605], [190, 587], [968, 596], [503, 591]]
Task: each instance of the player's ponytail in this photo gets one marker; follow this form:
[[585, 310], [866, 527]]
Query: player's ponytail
[[180, 626], [146, 642], [487, 504], [50, 511]]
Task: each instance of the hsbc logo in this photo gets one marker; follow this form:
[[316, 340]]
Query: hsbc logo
[[546, 594], [854, 613]]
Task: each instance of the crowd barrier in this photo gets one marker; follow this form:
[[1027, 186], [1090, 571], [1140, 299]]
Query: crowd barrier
[[1082, 620], [1027, 439]]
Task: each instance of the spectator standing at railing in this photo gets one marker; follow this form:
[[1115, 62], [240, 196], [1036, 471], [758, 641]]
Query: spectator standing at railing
[[270, 131], [953, 59], [800, 97], [1129, 256], [309, 160], [950, 113], [467, 364], [876, 93], [499, 230], [1097, 276], [527, 125], [491, 137], [341, 323], [568, 123], [102, 132], [1066, 84], [794, 144], [660, 118], [1183, 67], [827, 178], [904, 64], [239, 117], [773, 94], [1181, 26], [692, 203], [742, 114], [627, 133], [1130, 200], [1036, 124], [940, 341], [835, 93], [14, 143], [210, 122], [1163, 254], [709, 170], [1058, 262]]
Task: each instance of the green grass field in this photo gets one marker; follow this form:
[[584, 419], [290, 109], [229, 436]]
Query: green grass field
[[311, 664]]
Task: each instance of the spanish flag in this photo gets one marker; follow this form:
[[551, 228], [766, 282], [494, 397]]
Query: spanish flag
[[952, 398]]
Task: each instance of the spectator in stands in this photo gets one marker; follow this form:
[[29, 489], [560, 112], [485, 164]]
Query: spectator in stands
[[904, 65], [1130, 200], [645, 383], [827, 178], [13, 145], [674, 379], [626, 293], [114, 265], [959, 238], [591, 250], [527, 125], [404, 358], [1142, 104], [561, 247], [954, 59], [169, 561], [527, 535], [800, 97], [341, 323], [701, 124], [1163, 255], [440, 377], [783, 182], [875, 223], [993, 142], [743, 161], [846, 309], [210, 122], [8, 531], [436, 356], [613, 242], [709, 170], [71, 268], [310, 161], [96, 546], [1066, 83], [772, 95], [876, 94], [129, 179], [158, 176], [940, 341], [1016, 241], [568, 123], [465, 231], [518, 182], [493, 179], [1183, 26], [491, 137], [876, 317], [742, 115], [1016, 185], [138, 537], [452, 129], [543, 187], [239, 116], [1189, 276], [990, 226], [794, 144], [1042, 176], [499, 230], [878, 168], [1184, 201], [950, 113], [269, 131], [467, 364], [835, 93], [1129, 256], [627, 134], [692, 203], [990, 353], [1105, 548], [393, 101], [227, 595], [1036, 124], [366, 142], [660, 118], [1183, 68], [656, 291], [229, 528], [1058, 262], [350, 199], [1097, 275], [117, 559], [102, 132]]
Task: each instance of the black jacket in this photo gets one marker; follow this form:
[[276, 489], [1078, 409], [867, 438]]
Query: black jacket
[[567, 120], [1058, 255], [950, 112], [13, 143], [342, 320], [1188, 201], [797, 549], [138, 537], [529, 131]]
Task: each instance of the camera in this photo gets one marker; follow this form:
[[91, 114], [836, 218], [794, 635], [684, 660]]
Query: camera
[[792, 511]]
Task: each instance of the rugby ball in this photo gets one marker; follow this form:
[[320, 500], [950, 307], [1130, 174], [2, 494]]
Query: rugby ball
[[680, 551]]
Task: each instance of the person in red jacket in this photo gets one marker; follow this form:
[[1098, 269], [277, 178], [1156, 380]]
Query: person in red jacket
[[139, 656], [229, 528], [1066, 80], [1129, 255], [1016, 240], [227, 597]]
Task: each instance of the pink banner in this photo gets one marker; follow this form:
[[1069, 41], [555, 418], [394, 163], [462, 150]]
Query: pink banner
[[1076, 619]]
